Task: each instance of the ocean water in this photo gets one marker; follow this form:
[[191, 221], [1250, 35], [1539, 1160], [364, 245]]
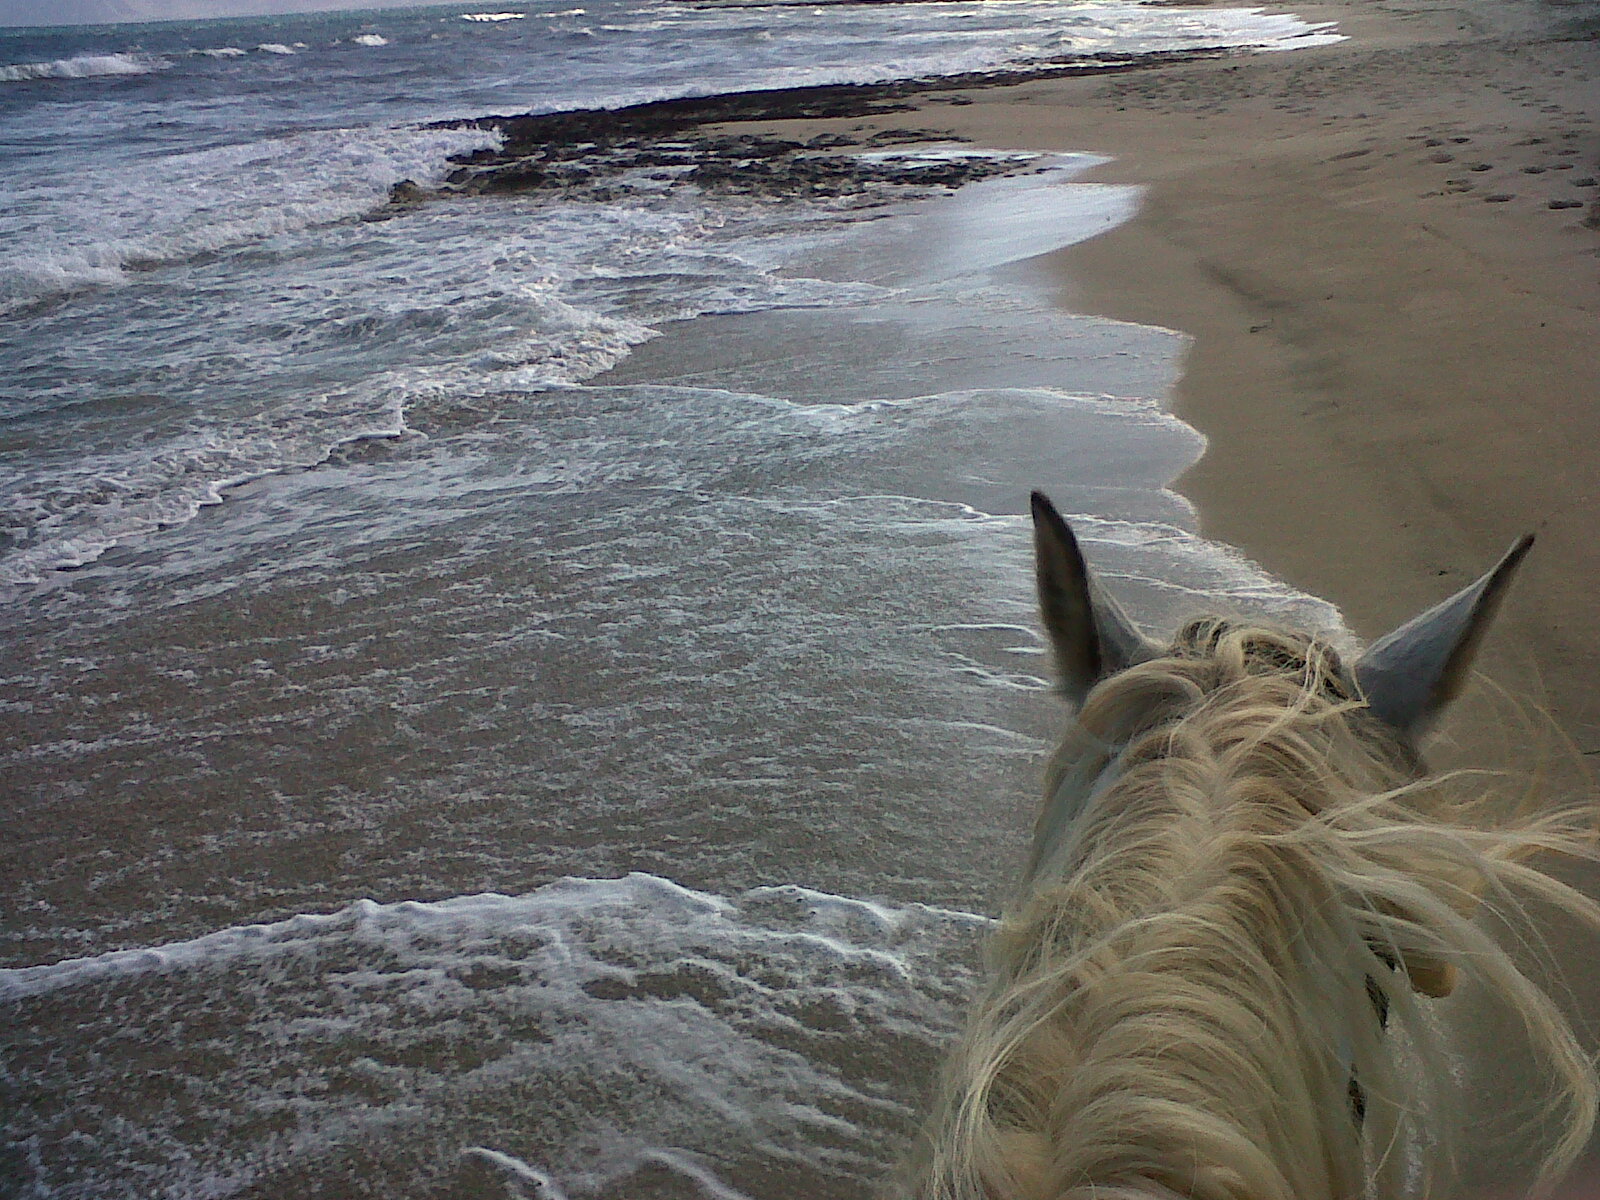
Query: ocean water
[[537, 695]]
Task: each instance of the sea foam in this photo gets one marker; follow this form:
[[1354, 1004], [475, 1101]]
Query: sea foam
[[86, 66], [183, 205], [776, 1030]]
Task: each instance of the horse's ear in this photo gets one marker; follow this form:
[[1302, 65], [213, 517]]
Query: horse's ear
[[1410, 675], [1091, 636]]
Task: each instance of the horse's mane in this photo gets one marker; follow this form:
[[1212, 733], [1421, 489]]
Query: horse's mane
[[1241, 883]]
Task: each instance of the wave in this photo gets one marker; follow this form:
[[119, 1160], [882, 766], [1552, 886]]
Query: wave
[[833, 926], [499, 16], [229, 197], [275, 48], [74, 516], [370, 39], [84, 66], [786, 1022]]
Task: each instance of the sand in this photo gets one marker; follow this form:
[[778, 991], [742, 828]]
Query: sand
[[1397, 335]]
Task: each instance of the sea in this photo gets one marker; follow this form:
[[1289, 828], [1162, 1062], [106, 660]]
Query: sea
[[535, 695]]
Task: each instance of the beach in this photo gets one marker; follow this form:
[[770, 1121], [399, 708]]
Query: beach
[[522, 673]]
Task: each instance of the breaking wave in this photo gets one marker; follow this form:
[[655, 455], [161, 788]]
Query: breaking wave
[[792, 1024], [215, 199], [84, 66]]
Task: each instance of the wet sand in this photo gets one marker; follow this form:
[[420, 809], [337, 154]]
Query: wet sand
[[1384, 249]]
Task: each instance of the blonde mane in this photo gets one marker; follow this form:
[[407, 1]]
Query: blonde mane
[[1216, 982]]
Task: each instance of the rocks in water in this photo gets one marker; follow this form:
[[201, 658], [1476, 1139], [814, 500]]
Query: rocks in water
[[605, 153], [597, 166], [408, 193], [799, 173]]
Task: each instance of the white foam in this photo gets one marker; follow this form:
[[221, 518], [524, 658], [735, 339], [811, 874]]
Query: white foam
[[483, 285], [509, 16], [756, 1022], [171, 490], [85, 66], [96, 226], [705, 1179], [370, 39], [855, 44], [544, 1188], [275, 48], [1175, 573], [788, 915], [939, 152]]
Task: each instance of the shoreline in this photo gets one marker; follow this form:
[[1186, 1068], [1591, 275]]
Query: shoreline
[[1394, 324], [1419, 355]]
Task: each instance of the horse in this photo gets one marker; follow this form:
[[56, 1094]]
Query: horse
[[1224, 975]]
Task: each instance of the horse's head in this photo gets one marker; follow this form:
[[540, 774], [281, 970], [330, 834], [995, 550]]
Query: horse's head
[[1213, 984], [1406, 678], [1130, 691]]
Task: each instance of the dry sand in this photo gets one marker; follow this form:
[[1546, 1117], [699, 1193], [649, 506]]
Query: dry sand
[[1397, 355]]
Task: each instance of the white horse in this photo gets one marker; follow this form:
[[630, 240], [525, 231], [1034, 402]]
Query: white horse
[[1244, 900]]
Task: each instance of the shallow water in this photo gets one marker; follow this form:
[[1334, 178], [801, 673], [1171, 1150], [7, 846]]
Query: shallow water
[[761, 623]]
